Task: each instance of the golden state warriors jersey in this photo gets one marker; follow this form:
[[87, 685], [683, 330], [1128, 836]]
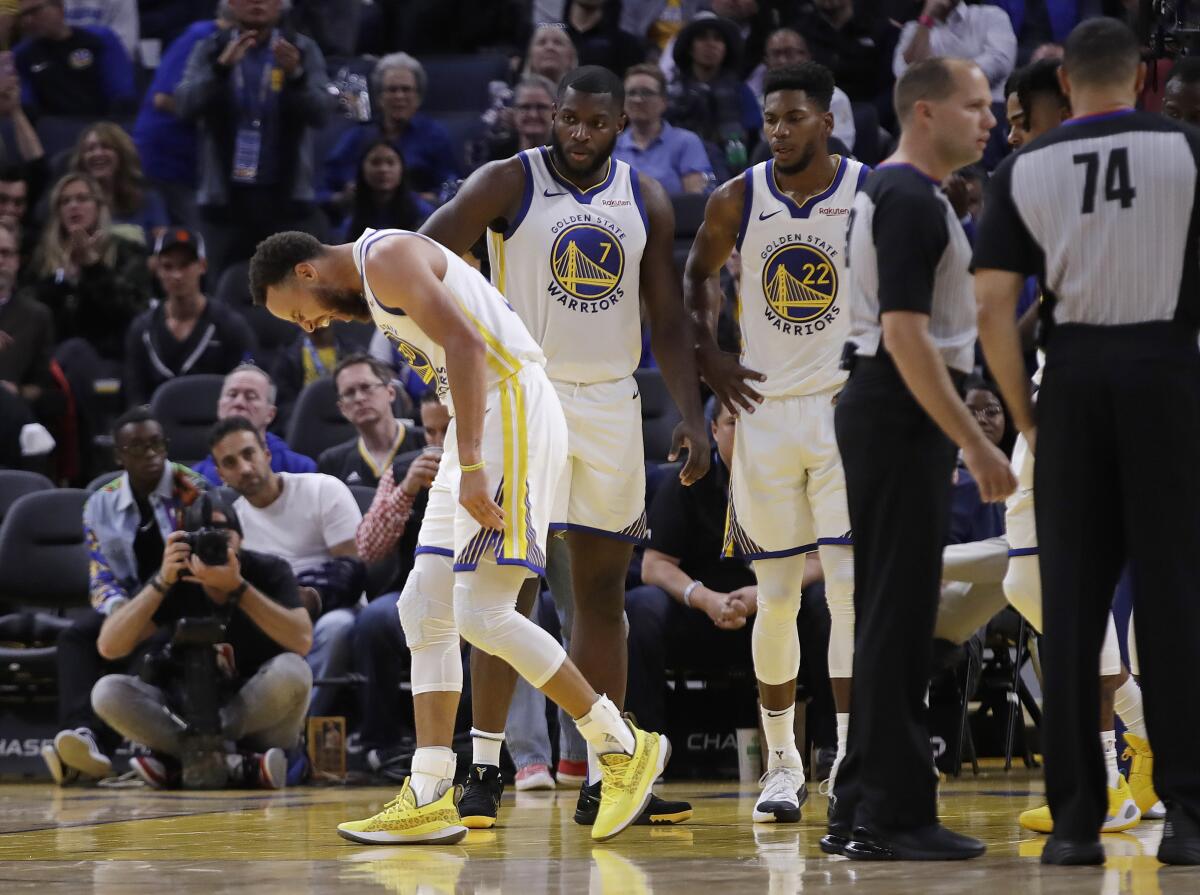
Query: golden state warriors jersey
[[509, 345], [570, 264], [794, 292]]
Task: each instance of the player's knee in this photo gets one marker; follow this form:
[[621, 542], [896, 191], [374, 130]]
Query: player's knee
[[427, 619], [1023, 588]]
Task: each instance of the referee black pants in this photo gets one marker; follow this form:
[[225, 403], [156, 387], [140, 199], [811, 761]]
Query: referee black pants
[[898, 467], [1118, 479]]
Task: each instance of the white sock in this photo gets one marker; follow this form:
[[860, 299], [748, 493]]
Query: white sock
[[605, 730], [843, 731], [485, 747], [432, 772], [1128, 704], [593, 763], [780, 731], [1108, 742]]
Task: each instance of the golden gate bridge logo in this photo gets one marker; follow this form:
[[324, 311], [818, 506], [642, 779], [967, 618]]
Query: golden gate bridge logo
[[587, 261], [800, 282], [417, 359]]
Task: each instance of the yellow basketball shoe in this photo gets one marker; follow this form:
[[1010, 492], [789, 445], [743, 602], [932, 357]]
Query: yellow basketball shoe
[[626, 781], [1141, 777], [1123, 813], [403, 822]]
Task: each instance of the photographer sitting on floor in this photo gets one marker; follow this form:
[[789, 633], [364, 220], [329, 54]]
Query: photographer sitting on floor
[[263, 682]]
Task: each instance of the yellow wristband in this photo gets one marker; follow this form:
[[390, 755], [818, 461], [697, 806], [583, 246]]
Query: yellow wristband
[[472, 467]]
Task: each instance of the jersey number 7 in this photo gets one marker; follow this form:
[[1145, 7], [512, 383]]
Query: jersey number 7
[[1117, 187]]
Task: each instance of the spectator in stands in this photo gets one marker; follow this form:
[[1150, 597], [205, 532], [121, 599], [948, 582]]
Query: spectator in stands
[[185, 333], [26, 339], [257, 97], [673, 156], [126, 527], [550, 53], [70, 71], [166, 143], [308, 520], [595, 29], [24, 442], [21, 183], [1181, 100], [708, 96], [980, 33], [248, 392], [382, 197], [786, 47], [696, 606], [656, 21], [264, 682], [309, 358], [850, 45], [93, 280], [527, 124], [118, 16], [107, 154], [424, 144], [390, 528], [365, 397]]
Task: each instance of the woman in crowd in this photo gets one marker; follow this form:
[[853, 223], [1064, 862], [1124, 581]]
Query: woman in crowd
[[107, 154], [550, 54], [382, 198]]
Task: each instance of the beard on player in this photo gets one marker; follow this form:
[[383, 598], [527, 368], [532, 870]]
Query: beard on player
[[343, 303], [585, 169], [807, 153]]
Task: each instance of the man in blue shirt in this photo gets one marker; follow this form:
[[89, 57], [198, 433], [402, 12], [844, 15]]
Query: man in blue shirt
[[673, 156], [248, 391]]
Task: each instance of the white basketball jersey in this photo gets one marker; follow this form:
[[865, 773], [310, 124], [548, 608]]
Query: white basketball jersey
[[570, 264], [509, 345], [794, 293]]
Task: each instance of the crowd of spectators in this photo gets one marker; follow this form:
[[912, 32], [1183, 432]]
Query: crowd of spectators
[[148, 146]]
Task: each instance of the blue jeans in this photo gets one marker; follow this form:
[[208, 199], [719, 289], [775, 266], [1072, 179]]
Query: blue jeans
[[329, 657]]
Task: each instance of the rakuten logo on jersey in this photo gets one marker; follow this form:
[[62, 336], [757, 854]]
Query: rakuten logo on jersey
[[832, 212]]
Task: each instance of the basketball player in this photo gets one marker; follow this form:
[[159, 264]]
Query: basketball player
[[787, 217], [578, 243], [484, 531], [1042, 107]]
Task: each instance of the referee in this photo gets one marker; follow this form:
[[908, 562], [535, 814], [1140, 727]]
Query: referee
[[1104, 210], [912, 343]]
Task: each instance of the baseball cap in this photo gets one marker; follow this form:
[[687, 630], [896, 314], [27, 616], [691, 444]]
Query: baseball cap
[[180, 237]]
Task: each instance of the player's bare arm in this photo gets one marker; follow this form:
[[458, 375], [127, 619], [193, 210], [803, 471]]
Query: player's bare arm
[[713, 245], [492, 195], [406, 273], [670, 331], [996, 296]]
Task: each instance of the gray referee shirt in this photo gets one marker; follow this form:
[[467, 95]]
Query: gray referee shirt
[[1104, 211], [907, 252]]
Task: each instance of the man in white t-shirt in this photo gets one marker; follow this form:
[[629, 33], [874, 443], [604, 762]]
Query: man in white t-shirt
[[309, 520]]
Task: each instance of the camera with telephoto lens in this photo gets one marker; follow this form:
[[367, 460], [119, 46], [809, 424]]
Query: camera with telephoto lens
[[210, 545]]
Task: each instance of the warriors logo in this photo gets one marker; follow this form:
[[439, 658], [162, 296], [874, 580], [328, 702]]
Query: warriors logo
[[800, 282], [418, 360], [587, 262]]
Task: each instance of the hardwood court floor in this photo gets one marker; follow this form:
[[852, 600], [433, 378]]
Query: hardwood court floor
[[130, 842]]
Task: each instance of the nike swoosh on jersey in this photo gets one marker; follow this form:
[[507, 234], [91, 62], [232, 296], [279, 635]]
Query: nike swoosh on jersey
[[550, 195], [763, 217]]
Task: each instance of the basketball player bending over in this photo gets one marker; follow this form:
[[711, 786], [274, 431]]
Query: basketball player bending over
[[484, 531]]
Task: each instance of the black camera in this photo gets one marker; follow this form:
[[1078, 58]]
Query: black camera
[[210, 545]]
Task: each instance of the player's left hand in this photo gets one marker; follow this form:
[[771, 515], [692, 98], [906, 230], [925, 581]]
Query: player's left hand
[[475, 497], [698, 460]]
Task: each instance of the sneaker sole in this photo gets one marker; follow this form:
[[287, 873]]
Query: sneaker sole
[[664, 755], [273, 769], [478, 822], [535, 784], [75, 754], [448, 836], [59, 772], [574, 781], [782, 813]]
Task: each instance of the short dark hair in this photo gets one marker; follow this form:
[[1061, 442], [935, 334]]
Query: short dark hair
[[132, 417], [929, 79], [232, 424], [1185, 70], [275, 260], [592, 79], [430, 397], [1101, 51], [1013, 83], [1041, 79], [378, 367], [14, 172], [973, 172], [811, 77], [648, 70]]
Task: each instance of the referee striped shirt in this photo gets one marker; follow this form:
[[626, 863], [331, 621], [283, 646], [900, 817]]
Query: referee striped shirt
[[1104, 211]]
